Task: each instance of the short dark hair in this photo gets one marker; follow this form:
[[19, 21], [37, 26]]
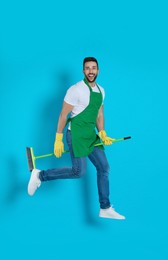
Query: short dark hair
[[90, 59]]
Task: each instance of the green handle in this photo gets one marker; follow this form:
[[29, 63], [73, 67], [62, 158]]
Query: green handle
[[45, 155], [66, 151], [116, 140]]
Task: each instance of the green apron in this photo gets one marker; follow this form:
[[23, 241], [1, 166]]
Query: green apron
[[83, 126]]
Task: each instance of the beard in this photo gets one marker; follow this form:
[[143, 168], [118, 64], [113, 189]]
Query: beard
[[90, 80]]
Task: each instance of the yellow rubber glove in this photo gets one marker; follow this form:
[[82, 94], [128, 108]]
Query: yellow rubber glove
[[106, 140], [58, 145]]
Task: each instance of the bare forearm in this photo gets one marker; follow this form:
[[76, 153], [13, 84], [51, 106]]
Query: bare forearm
[[100, 120], [66, 109], [100, 123], [61, 123]]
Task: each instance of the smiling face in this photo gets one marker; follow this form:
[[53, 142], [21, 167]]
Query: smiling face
[[90, 71]]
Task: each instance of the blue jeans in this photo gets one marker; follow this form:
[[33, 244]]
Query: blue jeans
[[99, 160]]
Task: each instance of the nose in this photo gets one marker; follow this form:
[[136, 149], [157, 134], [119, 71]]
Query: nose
[[90, 70]]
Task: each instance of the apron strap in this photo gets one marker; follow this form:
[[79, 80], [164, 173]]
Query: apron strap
[[69, 119], [90, 86]]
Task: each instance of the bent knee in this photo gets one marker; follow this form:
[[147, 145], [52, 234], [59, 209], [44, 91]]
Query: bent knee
[[78, 172]]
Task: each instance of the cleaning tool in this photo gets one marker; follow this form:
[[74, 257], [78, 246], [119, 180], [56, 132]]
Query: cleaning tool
[[31, 157]]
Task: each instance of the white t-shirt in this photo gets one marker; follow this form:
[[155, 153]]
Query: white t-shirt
[[79, 96]]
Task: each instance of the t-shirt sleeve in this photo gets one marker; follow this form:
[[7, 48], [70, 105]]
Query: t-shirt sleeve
[[103, 94], [71, 96]]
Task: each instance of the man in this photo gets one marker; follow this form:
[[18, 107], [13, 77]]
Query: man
[[84, 101]]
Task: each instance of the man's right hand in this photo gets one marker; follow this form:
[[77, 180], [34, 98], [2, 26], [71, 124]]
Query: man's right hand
[[58, 145]]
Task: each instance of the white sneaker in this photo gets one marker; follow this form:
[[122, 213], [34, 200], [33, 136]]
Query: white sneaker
[[34, 182], [110, 213]]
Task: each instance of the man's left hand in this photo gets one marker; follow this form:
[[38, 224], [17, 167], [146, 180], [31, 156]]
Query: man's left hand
[[105, 139]]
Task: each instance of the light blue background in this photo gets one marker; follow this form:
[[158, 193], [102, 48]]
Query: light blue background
[[42, 46]]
